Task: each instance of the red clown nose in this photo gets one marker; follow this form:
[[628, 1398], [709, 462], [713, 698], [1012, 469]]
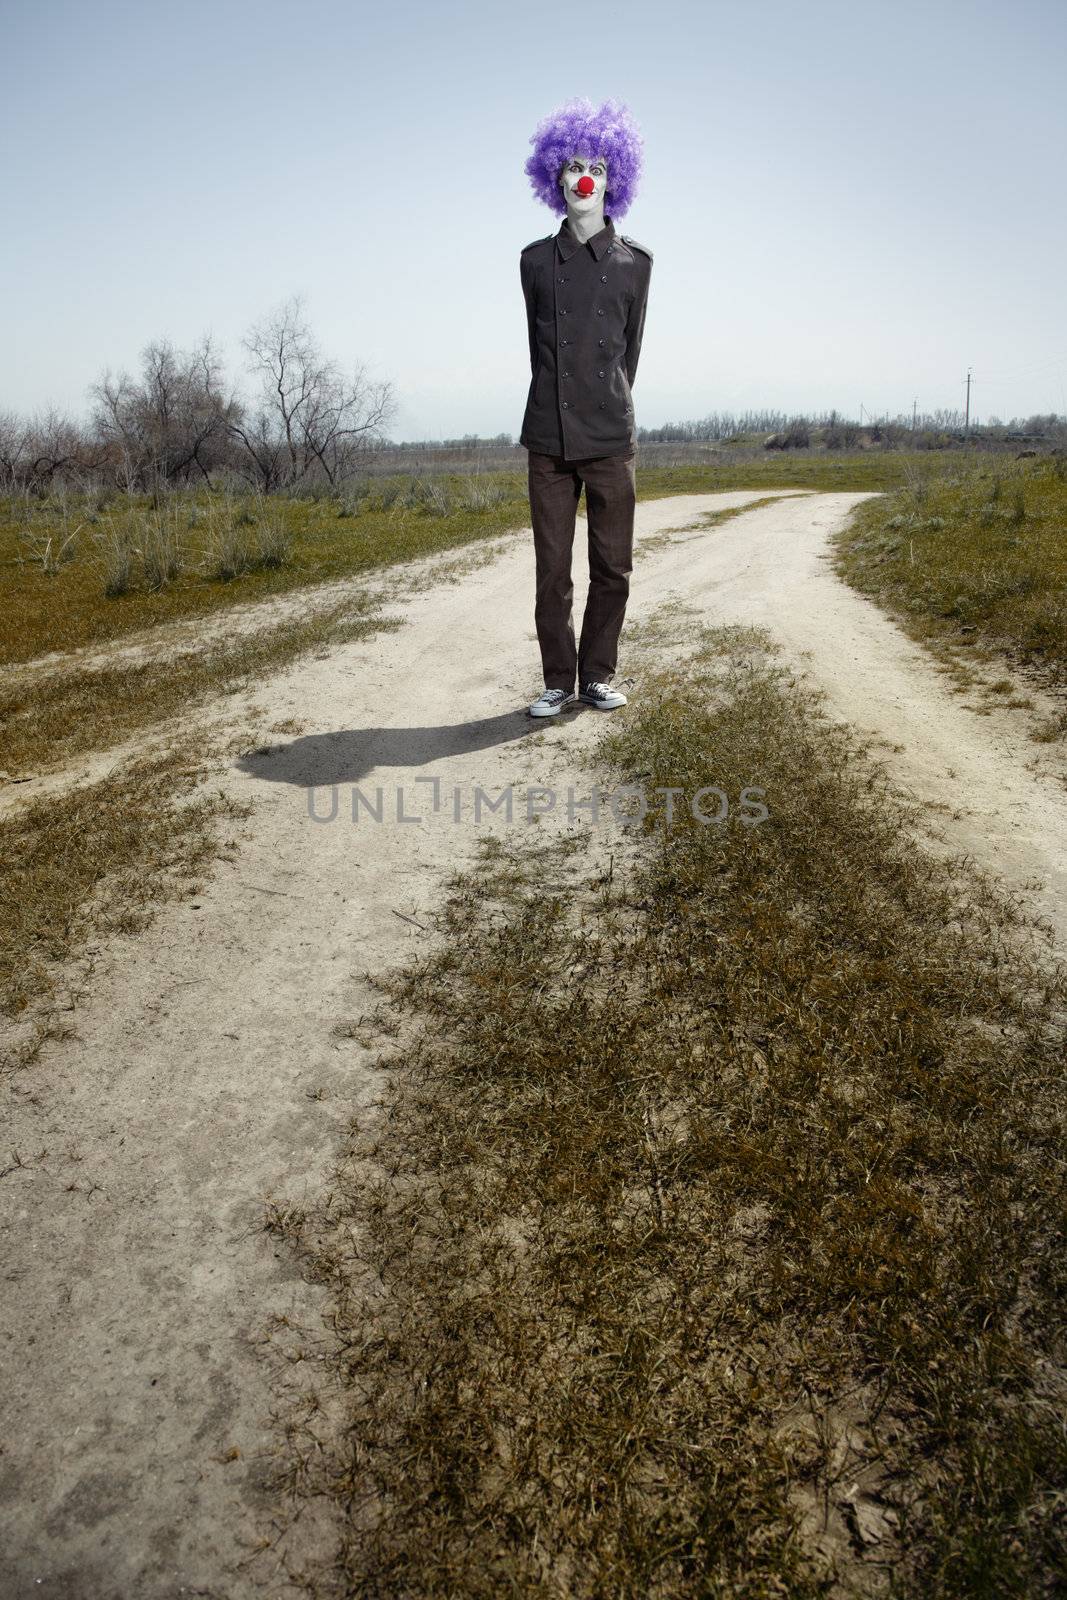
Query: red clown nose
[[585, 186]]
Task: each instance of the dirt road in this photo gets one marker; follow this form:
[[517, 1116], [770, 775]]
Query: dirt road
[[209, 1072]]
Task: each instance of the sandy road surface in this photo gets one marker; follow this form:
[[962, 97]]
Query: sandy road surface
[[207, 1074]]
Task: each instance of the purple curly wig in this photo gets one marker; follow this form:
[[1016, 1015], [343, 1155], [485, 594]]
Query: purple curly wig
[[579, 128]]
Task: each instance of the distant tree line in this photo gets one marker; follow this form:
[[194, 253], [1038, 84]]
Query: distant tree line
[[474, 443], [832, 431], [179, 422], [311, 427]]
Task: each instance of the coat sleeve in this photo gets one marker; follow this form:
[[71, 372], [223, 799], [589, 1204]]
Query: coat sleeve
[[635, 320], [526, 277]]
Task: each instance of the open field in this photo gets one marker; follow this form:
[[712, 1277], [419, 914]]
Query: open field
[[56, 553], [990, 577], [972, 561], [548, 1206]]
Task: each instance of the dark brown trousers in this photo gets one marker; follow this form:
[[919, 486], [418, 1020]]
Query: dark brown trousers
[[610, 496]]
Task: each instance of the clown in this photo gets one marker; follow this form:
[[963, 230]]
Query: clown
[[586, 291]]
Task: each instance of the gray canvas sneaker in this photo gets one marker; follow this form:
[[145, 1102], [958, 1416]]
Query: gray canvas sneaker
[[601, 695], [551, 703]]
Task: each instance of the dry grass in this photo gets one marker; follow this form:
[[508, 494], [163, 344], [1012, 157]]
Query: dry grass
[[128, 564], [973, 562], [709, 1241], [77, 570], [867, 470], [705, 520], [94, 862], [65, 713]]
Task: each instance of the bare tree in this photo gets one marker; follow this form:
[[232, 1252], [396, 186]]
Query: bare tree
[[263, 445], [52, 446], [13, 441], [172, 424], [310, 417]]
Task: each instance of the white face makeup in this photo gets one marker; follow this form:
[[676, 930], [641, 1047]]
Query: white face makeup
[[580, 166]]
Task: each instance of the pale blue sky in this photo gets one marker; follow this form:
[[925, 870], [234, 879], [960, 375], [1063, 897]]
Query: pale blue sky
[[847, 203]]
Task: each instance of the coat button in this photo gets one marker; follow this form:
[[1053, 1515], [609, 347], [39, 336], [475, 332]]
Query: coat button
[[563, 280], [603, 277], [566, 403], [600, 374], [566, 374], [600, 341], [602, 404], [563, 311], [599, 311]]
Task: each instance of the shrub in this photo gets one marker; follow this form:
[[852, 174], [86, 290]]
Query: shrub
[[161, 554], [228, 553], [354, 498], [273, 541], [116, 547], [797, 436], [480, 495], [437, 501], [390, 493]]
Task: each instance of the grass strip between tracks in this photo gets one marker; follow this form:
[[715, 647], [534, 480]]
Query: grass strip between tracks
[[709, 1240]]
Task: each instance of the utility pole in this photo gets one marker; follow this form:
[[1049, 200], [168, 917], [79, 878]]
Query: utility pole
[[914, 403], [967, 412]]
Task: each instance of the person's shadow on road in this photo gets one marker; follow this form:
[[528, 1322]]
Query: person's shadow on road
[[347, 756]]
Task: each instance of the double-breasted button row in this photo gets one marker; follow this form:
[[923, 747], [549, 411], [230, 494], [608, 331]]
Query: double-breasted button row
[[562, 370]]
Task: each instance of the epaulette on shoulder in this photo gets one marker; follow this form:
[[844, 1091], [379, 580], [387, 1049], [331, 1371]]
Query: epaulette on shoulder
[[635, 244], [534, 242]]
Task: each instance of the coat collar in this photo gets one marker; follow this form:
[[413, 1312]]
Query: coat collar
[[567, 244]]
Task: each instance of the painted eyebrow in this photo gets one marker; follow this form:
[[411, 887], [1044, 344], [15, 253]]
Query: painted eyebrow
[[599, 162]]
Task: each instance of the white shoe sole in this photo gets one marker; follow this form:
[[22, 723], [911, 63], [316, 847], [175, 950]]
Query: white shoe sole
[[552, 711], [599, 704]]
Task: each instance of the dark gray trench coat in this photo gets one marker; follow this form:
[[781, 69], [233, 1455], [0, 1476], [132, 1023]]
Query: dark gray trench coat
[[585, 307]]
